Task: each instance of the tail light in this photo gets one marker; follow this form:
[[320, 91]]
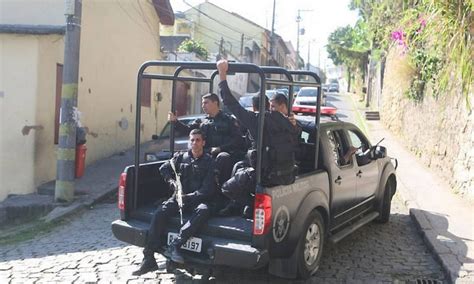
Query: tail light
[[121, 191], [262, 214]]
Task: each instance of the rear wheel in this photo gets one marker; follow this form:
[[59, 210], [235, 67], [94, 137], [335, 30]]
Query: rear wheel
[[384, 216], [310, 245]]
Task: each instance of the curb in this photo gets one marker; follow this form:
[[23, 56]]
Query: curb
[[59, 213]]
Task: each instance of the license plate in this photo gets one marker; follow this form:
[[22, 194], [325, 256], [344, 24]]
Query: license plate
[[193, 244]]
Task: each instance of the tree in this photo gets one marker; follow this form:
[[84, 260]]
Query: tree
[[349, 46], [197, 47]]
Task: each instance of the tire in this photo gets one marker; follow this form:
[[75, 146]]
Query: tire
[[384, 216], [310, 245]]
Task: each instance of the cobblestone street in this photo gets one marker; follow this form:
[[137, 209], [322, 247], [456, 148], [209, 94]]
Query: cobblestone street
[[86, 251]]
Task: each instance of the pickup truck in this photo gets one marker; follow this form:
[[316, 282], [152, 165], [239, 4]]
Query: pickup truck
[[331, 197]]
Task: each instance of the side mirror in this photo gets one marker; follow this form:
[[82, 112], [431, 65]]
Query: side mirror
[[380, 152], [154, 137]]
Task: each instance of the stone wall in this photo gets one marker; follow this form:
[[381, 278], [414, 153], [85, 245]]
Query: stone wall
[[440, 131]]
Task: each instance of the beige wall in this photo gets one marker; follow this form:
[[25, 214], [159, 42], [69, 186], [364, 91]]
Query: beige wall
[[25, 109], [115, 41], [116, 38]]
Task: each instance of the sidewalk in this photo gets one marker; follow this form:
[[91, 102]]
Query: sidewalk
[[445, 220], [100, 180]]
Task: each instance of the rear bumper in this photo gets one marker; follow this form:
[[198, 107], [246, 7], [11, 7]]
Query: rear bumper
[[216, 251]]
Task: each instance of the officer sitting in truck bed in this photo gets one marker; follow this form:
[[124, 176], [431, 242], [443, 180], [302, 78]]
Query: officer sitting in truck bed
[[223, 136], [198, 178]]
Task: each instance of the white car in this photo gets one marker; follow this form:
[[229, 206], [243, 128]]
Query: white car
[[305, 102]]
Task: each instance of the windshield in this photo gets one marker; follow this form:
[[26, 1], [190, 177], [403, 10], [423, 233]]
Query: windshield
[[308, 93]]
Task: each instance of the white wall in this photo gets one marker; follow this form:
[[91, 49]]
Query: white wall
[[32, 12], [17, 110]]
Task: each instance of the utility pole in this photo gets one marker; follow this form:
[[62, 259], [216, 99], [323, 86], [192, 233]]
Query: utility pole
[[298, 20], [272, 36], [309, 50], [221, 48], [66, 155], [242, 47]]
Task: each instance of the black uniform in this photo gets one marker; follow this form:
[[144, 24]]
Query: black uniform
[[280, 140], [199, 187], [221, 131]]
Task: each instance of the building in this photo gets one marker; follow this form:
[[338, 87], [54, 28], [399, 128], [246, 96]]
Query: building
[[116, 38]]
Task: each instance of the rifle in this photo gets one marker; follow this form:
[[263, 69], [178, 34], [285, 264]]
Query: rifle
[[178, 190]]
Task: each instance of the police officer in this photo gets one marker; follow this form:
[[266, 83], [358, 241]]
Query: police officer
[[197, 174], [224, 139], [280, 138]]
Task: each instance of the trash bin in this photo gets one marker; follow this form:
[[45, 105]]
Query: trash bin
[[80, 160]]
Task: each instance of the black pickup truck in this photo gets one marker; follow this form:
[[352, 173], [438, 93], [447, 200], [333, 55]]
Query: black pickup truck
[[331, 197]]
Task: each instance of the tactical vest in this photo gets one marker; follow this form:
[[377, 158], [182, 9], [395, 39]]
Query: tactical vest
[[278, 152], [218, 130]]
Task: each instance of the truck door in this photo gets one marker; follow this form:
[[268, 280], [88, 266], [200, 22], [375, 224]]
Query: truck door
[[342, 174], [366, 169]]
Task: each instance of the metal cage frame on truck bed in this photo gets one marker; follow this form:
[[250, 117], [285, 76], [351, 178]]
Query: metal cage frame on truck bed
[[261, 71]]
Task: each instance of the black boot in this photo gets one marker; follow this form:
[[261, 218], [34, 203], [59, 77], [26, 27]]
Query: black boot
[[230, 210], [148, 264], [174, 251]]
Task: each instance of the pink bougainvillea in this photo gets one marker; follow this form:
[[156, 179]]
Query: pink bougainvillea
[[422, 22], [399, 37]]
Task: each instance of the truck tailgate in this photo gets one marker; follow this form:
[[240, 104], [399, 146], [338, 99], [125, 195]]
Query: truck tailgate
[[234, 227]]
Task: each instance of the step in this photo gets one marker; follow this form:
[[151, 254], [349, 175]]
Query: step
[[372, 115], [364, 220]]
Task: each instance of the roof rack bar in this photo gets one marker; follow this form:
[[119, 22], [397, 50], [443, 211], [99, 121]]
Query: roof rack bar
[[169, 77], [318, 110]]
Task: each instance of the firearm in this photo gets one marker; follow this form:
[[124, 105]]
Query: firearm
[[178, 190]]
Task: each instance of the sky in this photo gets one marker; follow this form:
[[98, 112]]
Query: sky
[[319, 19]]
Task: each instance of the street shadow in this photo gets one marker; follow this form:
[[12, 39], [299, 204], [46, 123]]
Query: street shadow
[[450, 249]]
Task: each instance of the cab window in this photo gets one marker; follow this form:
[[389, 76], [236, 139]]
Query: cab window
[[358, 141], [338, 147]]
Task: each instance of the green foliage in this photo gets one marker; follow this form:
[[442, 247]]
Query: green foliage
[[349, 46], [197, 47], [435, 34]]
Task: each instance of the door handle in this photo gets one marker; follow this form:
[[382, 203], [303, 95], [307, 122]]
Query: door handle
[[338, 180], [359, 174]]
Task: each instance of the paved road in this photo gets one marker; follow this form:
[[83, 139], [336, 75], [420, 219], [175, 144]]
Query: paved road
[[85, 251]]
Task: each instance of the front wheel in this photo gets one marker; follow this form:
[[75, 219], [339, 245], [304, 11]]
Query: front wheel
[[310, 245], [384, 216]]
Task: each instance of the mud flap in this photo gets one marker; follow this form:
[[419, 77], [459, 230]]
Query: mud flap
[[284, 267]]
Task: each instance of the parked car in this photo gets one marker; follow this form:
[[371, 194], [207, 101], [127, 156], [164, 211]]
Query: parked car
[[333, 88], [305, 102], [159, 147], [246, 102], [325, 87]]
